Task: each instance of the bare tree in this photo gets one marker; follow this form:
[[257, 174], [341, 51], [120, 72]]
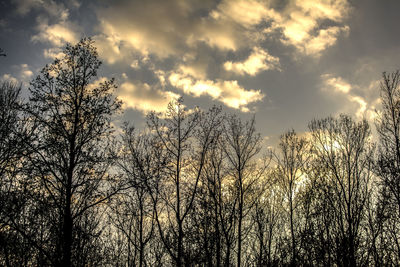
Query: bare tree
[[291, 173], [71, 162], [11, 147], [241, 144], [141, 163], [267, 218], [343, 151], [221, 202], [13, 129], [388, 162], [185, 138]]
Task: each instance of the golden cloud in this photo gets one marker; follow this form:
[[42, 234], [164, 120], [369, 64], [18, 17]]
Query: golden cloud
[[56, 34], [25, 72], [244, 12], [336, 83], [301, 21], [258, 60], [143, 97], [131, 32], [228, 92], [365, 105], [8, 77]]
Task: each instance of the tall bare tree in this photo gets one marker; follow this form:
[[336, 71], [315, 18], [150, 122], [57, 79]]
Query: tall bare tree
[[343, 150], [186, 138], [11, 148], [71, 160], [141, 163], [388, 162], [267, 221], [290, 171], [13, 130], [241, 145], [221, 203]]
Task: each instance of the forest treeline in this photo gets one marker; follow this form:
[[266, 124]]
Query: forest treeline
[[194, 188]]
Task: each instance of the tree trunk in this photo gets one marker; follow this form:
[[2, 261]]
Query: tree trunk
[[239, 253], [293, 262], [67, 231]]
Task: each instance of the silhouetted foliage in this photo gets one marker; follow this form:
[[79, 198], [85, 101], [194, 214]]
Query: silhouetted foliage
[[13, 153], [185, 139], [241, 143], [133, 212], [388, 168], [343, 155], [68, 176], [192, 187], [290, 173]]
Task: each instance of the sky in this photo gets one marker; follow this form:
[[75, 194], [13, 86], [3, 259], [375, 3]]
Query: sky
[[286, 61]]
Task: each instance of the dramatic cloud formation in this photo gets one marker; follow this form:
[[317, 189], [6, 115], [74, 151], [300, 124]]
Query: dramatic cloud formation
[[185, 32], [288, 61]]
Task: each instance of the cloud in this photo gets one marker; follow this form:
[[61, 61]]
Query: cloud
[[194, 87], [232, 24], [171, 28], [145, 98], [148, 27], [361, 101], [140, 96], [109, 48], [132, 33], [57, 34], [362, 105], [336, 83], [258, 60], [243, 12], [53, 53], [24, 6], [53, 24], [325, 38], [303, 20], [25, 72], [228, 92], [193, 70], [21, 74], [52, 8], [334, 10], [187, 44], [10, 78], [166, 28]]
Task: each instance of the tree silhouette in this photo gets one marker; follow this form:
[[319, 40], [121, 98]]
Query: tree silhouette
[[291, 169], [141, 164], [343, 151], [190, 189], [241, 144], [388, 162], [71, 162], [185, 139], [13, 155]]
